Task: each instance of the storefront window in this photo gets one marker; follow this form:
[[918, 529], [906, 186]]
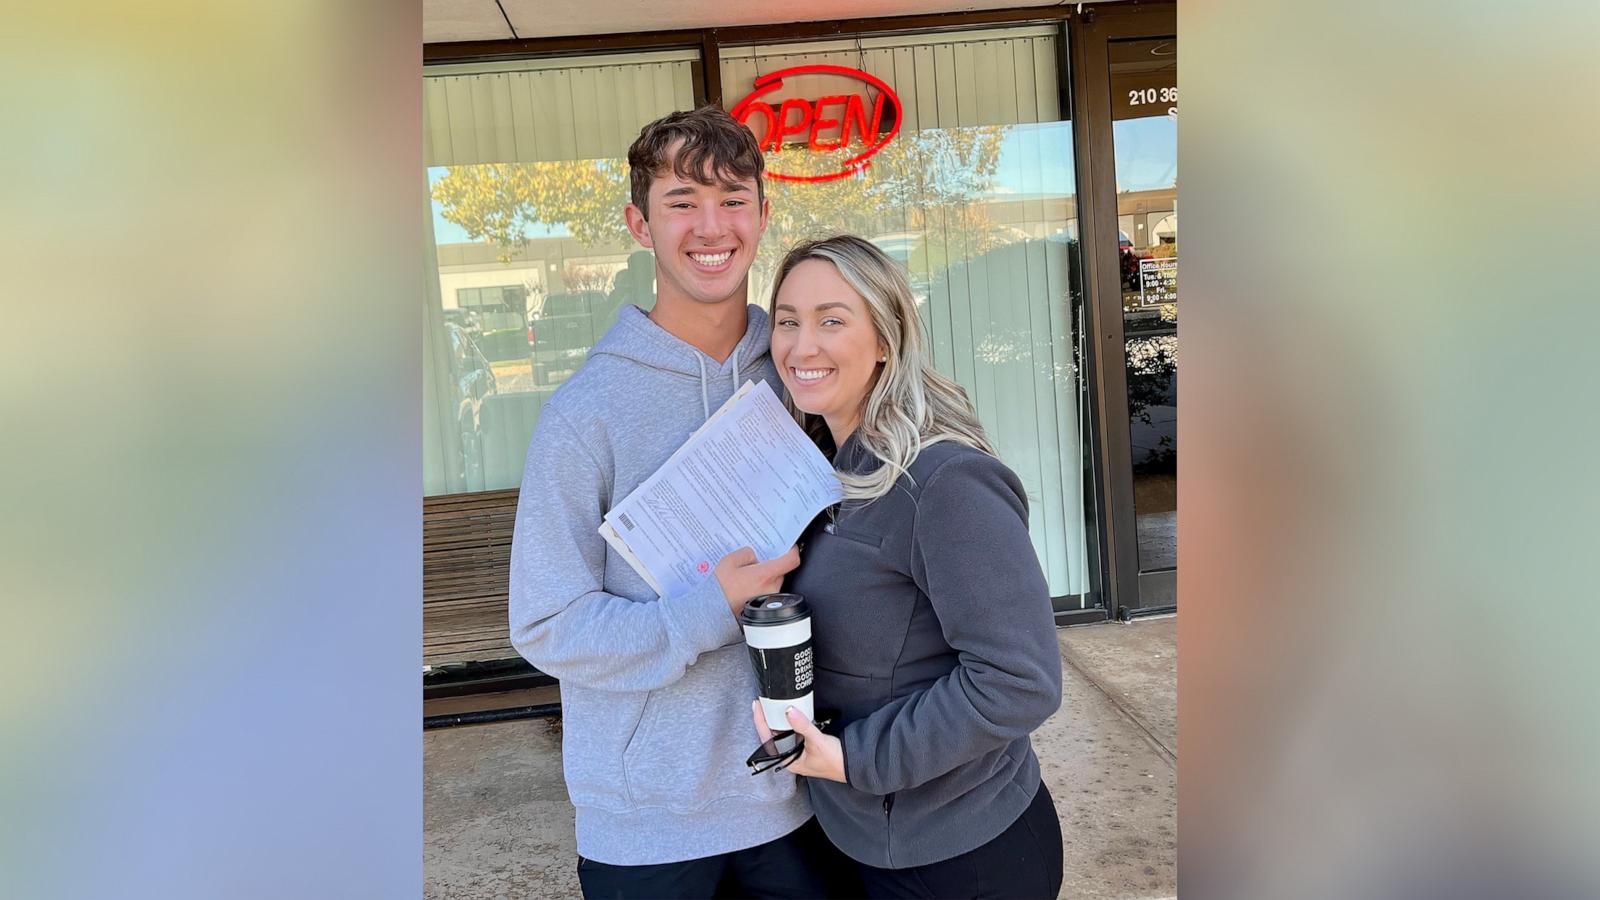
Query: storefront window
[[948, 150], [526, 180], [970, 183]]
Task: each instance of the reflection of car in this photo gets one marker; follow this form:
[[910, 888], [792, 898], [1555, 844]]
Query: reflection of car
[[466, 318], [1130, 262], [473, 380], [496, 319], [899, 246], [563, 330]]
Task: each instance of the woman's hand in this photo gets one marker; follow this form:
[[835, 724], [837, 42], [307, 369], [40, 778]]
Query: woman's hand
[[823, 756]]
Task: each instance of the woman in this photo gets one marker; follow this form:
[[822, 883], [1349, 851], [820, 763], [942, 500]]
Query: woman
[[932, 628]]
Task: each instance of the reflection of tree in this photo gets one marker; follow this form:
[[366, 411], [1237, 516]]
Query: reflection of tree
[[587, 278], [1152, 367], [920, 180], [500, 201], [977, 233]]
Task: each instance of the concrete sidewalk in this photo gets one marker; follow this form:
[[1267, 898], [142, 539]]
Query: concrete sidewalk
[[497, 822]]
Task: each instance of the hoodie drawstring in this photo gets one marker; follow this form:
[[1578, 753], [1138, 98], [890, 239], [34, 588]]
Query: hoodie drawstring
[[705, 394], [705, 398]]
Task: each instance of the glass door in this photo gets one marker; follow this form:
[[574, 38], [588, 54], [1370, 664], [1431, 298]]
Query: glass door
[[1130, 63], [1144, 135]]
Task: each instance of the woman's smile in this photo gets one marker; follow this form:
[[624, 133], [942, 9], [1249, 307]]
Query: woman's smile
[[809, 377]]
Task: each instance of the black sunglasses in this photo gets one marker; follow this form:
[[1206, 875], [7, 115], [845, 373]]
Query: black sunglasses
[[780, 750]]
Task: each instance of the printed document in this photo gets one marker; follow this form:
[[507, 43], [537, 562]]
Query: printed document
[[748, 477]]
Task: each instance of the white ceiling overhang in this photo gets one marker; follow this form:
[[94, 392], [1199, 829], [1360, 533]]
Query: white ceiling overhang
[[445, 21]]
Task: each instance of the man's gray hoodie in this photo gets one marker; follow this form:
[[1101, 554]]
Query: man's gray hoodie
[[655, 691]]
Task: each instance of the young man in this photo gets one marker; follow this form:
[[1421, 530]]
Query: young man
[[656, 691]]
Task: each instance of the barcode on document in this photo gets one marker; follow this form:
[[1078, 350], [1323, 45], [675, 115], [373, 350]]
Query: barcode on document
[[626, 522]]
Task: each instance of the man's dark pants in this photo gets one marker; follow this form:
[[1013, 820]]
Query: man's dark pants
[[801, 864]]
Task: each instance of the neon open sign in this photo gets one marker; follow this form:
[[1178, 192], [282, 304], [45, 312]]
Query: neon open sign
[[815, 119]]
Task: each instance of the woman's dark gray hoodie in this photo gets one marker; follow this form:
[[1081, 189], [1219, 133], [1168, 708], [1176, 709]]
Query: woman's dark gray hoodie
[[934, 638]]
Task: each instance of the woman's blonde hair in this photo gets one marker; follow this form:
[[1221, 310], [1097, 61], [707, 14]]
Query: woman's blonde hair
[[910, 404]]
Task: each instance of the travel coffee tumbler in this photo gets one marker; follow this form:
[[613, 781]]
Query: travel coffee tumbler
[[777, 629]]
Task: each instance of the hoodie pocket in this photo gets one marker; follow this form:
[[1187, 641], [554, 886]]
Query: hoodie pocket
[[691, 743], [854, 696], [863, 538], [598, 727]]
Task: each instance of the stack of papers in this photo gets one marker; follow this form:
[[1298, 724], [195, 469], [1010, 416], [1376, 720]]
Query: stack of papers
[[748, 477]]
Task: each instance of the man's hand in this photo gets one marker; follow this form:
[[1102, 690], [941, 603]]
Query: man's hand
[[742, 577]]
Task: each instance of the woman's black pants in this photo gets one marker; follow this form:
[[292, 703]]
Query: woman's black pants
[[1023, 863]]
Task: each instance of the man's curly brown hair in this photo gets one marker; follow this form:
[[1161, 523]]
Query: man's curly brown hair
[[714, 145]]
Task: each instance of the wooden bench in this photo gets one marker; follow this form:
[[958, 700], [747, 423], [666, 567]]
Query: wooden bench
[[466, 570]]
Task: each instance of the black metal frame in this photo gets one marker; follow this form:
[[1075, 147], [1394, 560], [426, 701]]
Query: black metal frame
[[1129, 613], [485, 677], [1081, 616], [1130, 589], [1116, 587], [487, 716]]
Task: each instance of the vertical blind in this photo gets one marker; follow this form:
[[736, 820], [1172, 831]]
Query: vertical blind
[[542, 111]]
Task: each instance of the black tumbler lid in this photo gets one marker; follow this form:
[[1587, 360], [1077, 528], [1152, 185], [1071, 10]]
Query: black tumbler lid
[[774, 609]]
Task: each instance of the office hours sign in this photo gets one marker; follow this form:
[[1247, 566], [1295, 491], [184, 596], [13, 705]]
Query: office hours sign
[[1158, 281]]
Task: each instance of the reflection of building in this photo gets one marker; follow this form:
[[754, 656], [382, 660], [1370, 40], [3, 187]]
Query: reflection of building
[[542, 265], [1166, 230], [1140, 213]]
